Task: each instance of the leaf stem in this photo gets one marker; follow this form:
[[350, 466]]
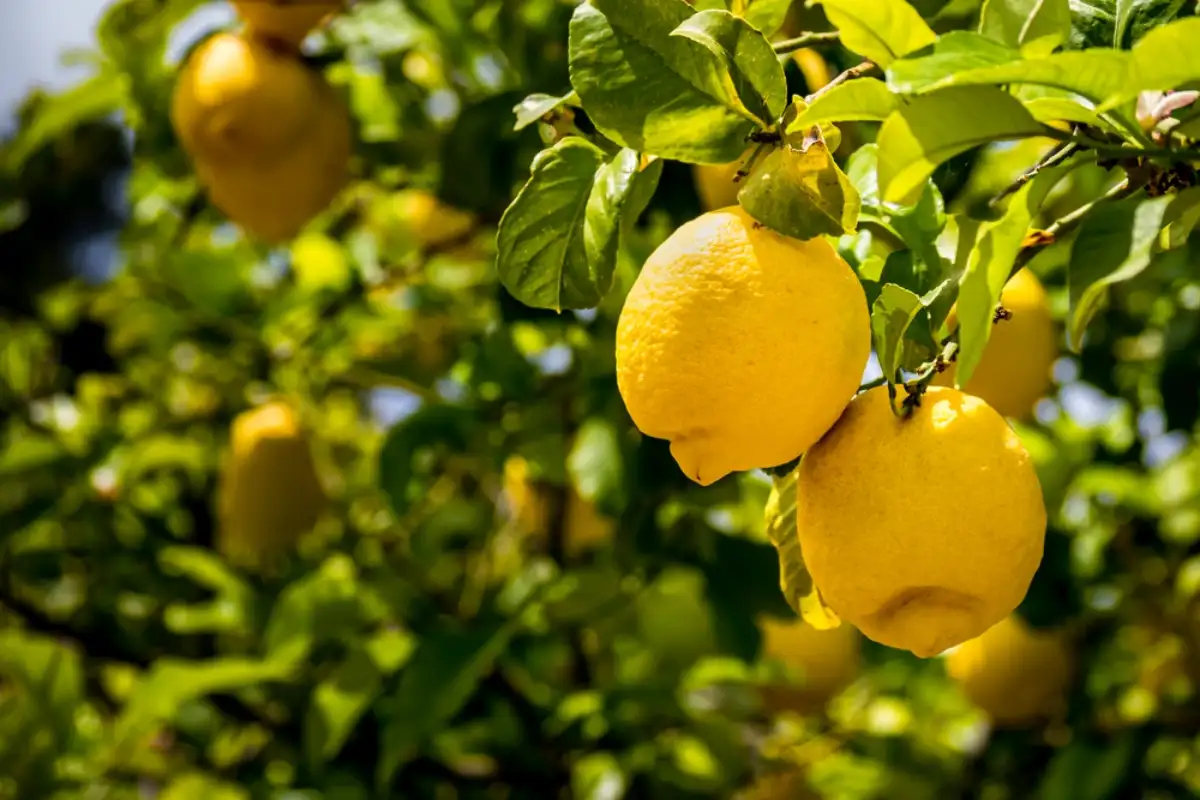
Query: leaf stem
[[805, 40], [1058, 154]]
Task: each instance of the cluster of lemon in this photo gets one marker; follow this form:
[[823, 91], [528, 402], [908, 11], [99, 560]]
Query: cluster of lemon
[[268, 136]]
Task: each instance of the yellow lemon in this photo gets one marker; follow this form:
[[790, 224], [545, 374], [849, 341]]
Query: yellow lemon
[[428, 220], [285, 21], [269, 138], [1015, 371], [269, 492], [1015, 673], [921, 532], [813, 67], [238, 101], [740, 346], [827, 660], [715, 184], [583, 526]]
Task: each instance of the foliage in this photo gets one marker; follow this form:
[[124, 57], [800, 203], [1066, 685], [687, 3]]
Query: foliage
[[419, 639]]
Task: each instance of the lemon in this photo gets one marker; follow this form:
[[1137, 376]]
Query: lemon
[[285, 21], [1015, 673], [813, 67], [715, 185], [828, 661], [1015, 371], [238, 101], [740, 346], [269, 492], [269, 138], [429, 221], [921, 532]]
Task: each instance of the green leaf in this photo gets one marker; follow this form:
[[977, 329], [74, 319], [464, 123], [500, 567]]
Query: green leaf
[[779, 516], [918, 137], [598, 776], [1115, 244], [594, 463], [866, 99], [444, 672], [173, 682], [1181, 219], [435, 427], [536, 106], [891, 314], [558, 240], [646, 89], [1120, 23], [1048, 104], [766, 15], [1018, 23], [56, 115], [1165, 58], [1093, 23], [745, 62], [1086, 770], [990, 265], [324, 605], [881, 30], [960, 60], [338, 703], [801, 194], [196, 786], [50, 674]]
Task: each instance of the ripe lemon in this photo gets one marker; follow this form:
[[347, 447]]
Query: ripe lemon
[[740, 346], [1015, 673], [715, 185], [921, 532], [269, 492], [828, 661], [285, 21], [1015, 371], [238, 101], [269, 138]]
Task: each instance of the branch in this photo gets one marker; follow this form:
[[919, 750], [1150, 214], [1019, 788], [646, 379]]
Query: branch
[[805, 40], [857, 71], [1058, 154]]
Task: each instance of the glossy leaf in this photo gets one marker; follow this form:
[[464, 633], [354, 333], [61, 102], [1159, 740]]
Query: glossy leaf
[[915, 139], [801, 194], [536, 106], [766, 15], [880, 31], [1018, 23], [1115, 244], [1165, 58], [794, 581], [891, 314], [744, 61], [648, 90], [862, 99]]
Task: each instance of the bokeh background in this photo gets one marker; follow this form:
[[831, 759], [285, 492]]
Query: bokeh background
[[510, 592]]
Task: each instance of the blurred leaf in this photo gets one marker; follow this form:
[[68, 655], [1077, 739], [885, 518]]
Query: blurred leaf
[[598, 776], [432, 426], [677, 110], [50, 673], [1086, 770], [338, 703], [323, 605], [880, 31], [1163, 59], [990, 266], [1115, 243], [937, 126], [1181, 219], [1018, 23], [444, 672], [173, 682], [558, 240], [747, 66], [801, 194], [229, 611], [195, 786], [56, 115], [766, 15], [595, 463], [861, 99], [892, 312], [536, 106]]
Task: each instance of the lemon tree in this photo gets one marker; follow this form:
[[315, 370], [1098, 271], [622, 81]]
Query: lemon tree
[[604, 399]]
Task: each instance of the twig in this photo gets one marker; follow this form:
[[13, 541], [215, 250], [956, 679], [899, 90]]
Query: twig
[[805, 40], [1058, 154], [857, 71]]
